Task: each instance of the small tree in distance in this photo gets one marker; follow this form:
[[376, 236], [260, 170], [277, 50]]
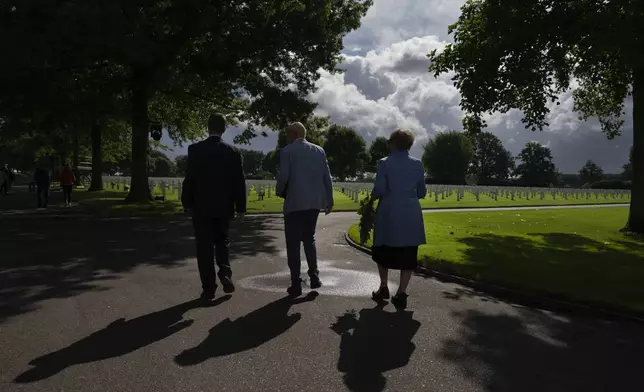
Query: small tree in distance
[[182, 164], [447, 157], [491, 163], [591, 173], [378, 149], [536, 167], [346, 152]]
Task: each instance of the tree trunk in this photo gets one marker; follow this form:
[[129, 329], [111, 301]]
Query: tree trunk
[[139, 188], [636, 215], [97, 158], [76, 156]]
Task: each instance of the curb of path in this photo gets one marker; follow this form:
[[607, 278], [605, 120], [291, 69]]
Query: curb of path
[[524, 298]]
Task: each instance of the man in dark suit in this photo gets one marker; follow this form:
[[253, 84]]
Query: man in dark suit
[[42, 177], [214, 188]]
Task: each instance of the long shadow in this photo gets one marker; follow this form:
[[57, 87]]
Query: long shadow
[[245, 333], [118, 338], [559, 265], [380, 341], [537, 351], [66, 252]]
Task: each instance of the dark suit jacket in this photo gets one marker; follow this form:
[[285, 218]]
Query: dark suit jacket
[[214, 185]]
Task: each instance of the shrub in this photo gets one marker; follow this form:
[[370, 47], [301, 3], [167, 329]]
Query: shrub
[[367, 219], [611, 184]]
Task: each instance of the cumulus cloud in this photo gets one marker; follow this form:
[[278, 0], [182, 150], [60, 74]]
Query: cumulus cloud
[[390, 87], [392, 21], [386, 84]]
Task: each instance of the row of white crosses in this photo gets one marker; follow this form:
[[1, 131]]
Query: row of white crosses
[[514, 193], [117, 183], [263, 188], [356, 191]]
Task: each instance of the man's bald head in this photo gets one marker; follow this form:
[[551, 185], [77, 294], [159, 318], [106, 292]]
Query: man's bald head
[[295, 131]]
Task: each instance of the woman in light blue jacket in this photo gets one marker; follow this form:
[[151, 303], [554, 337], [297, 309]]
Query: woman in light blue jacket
[[399, 228]]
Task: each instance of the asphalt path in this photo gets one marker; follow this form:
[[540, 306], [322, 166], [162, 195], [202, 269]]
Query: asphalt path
[[107, 304]]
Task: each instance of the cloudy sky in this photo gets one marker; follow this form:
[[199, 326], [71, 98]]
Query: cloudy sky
[[386, 85]]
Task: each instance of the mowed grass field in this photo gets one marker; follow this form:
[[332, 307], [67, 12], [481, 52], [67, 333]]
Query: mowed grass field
[[575, 254]]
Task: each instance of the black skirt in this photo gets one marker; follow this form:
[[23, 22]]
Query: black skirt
[[396, 258]]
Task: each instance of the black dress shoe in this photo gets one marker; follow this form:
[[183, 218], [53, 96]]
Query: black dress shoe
[[380, 295], [295, 290], [400, 301], [229, 287], [316, 283], [208, 294]]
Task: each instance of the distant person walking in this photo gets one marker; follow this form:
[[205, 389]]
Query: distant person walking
[[7, 177], [4, 182], [42, 177], [67, 181], [399, 227], [304, 181], [213, 189]]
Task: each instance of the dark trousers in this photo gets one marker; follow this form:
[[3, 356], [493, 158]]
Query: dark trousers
[[299, 228], [211, 235], [67, 193], [42, 194]]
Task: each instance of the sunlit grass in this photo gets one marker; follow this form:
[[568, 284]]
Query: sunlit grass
[[577, 254]]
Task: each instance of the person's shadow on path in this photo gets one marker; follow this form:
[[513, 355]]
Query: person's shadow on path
[[380, 341], [245, 333], [119, 338]]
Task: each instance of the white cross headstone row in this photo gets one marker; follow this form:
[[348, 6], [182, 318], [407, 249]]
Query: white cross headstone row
[[263, 188], [356, 191], [442, 192]]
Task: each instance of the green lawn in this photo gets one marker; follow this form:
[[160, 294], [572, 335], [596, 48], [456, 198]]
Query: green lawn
[[578, 254]]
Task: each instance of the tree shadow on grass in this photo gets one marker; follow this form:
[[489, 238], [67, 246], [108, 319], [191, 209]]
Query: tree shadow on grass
[[537, 351], [118, 338], [60, 254], [372, 343], [557, 265], [245, 333]]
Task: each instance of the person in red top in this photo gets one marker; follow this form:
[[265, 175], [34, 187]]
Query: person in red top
[[67, 181]]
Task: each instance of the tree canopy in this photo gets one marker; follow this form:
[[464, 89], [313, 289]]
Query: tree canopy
[[182, 164], [271, 162], [447, 156], [159, 165], [253, 161], [510, 54], [536, 167], [378, 149], [171, 62], [491, 163], [591, 173], [346, 152]]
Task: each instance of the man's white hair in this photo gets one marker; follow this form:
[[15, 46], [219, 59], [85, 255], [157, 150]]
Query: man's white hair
[[298, 129]]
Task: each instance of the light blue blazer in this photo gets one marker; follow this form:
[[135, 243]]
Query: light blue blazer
[[400, 183], [304, 175]]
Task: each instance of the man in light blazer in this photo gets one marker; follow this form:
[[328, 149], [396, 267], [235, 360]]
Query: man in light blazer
[[304, 181]]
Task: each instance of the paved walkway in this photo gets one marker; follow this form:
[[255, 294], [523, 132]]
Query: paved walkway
[[91, 304]]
